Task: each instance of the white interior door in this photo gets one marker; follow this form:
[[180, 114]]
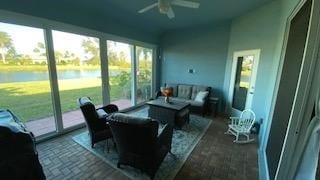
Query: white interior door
[[243, 77]]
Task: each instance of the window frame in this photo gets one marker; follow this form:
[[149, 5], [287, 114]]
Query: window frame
[[48, 26]]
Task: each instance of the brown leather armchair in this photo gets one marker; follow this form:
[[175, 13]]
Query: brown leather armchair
[[138, 142], [95, 119]]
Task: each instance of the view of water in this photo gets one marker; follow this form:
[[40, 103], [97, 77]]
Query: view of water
[[21, 76]]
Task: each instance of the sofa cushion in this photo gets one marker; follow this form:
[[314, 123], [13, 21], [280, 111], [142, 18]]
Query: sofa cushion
[[196, 103], [191, 102], [174, 89], [129, 119], [196, 89], [184, 91]]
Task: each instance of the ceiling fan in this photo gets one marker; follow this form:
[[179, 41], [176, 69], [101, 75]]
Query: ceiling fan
[[165, 6]]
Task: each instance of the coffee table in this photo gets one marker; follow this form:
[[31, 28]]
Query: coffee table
[[173, 113]]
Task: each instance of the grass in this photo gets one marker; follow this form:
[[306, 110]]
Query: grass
[[32, 100]]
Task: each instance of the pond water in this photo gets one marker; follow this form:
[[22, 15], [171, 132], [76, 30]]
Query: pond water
[[21, 76]]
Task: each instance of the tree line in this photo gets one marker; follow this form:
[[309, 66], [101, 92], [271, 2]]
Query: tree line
[[90, 48]]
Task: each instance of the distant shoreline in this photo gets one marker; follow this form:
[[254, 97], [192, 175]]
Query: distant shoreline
[[17, 68]]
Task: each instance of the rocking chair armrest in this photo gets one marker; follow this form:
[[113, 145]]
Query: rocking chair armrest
[[234, 120]]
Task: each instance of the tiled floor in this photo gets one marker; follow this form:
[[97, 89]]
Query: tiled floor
[[215, 157], [46, 125]]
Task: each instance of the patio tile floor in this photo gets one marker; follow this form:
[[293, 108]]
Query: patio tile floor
[[215, 157], [72, 118]]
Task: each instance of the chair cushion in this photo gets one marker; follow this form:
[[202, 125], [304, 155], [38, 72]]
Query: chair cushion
[[184, 91], [129, 119], [201, 96], [174, 89], [196, 89]]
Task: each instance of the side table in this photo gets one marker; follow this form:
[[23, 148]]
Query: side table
[[214, 103]]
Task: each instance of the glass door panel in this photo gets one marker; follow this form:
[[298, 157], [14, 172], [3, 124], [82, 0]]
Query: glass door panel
[[144, 73], [24, 77], [120, 74], [242, 82], [79, 73]]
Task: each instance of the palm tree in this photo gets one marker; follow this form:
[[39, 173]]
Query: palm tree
[[5, 44]]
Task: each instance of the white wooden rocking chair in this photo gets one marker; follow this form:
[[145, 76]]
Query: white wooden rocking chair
[[242, 126]]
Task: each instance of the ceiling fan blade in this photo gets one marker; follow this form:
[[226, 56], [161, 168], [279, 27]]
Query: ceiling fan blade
[[148, 8], [184, 3], [170, 13]]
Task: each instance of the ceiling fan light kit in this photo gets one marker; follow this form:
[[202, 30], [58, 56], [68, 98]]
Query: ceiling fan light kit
[[165, 7]]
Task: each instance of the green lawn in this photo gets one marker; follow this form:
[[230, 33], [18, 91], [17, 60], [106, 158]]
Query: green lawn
[[32, 100]]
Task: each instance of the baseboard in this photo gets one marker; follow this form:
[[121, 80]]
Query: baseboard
[[263, 166]]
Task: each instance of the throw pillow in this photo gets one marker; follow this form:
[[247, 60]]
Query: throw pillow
[[201, 95]]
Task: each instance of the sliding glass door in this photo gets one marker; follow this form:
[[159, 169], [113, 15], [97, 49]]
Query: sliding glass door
[[120, 73], [143, 73], [24, 77], [44, 92], [79, 73]]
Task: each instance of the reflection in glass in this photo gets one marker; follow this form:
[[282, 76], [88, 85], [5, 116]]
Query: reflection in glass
[[242, 82]]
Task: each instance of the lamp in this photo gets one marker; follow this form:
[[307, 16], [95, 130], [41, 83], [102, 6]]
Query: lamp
[[164, 6]]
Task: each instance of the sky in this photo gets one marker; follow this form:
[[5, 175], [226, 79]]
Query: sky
[[25, 39]]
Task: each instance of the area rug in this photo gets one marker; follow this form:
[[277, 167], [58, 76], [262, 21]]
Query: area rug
[[183, 143]]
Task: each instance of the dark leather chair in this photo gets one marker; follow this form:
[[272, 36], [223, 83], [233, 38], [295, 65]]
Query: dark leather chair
[[138, 142], [18, 153], [95, 119]]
